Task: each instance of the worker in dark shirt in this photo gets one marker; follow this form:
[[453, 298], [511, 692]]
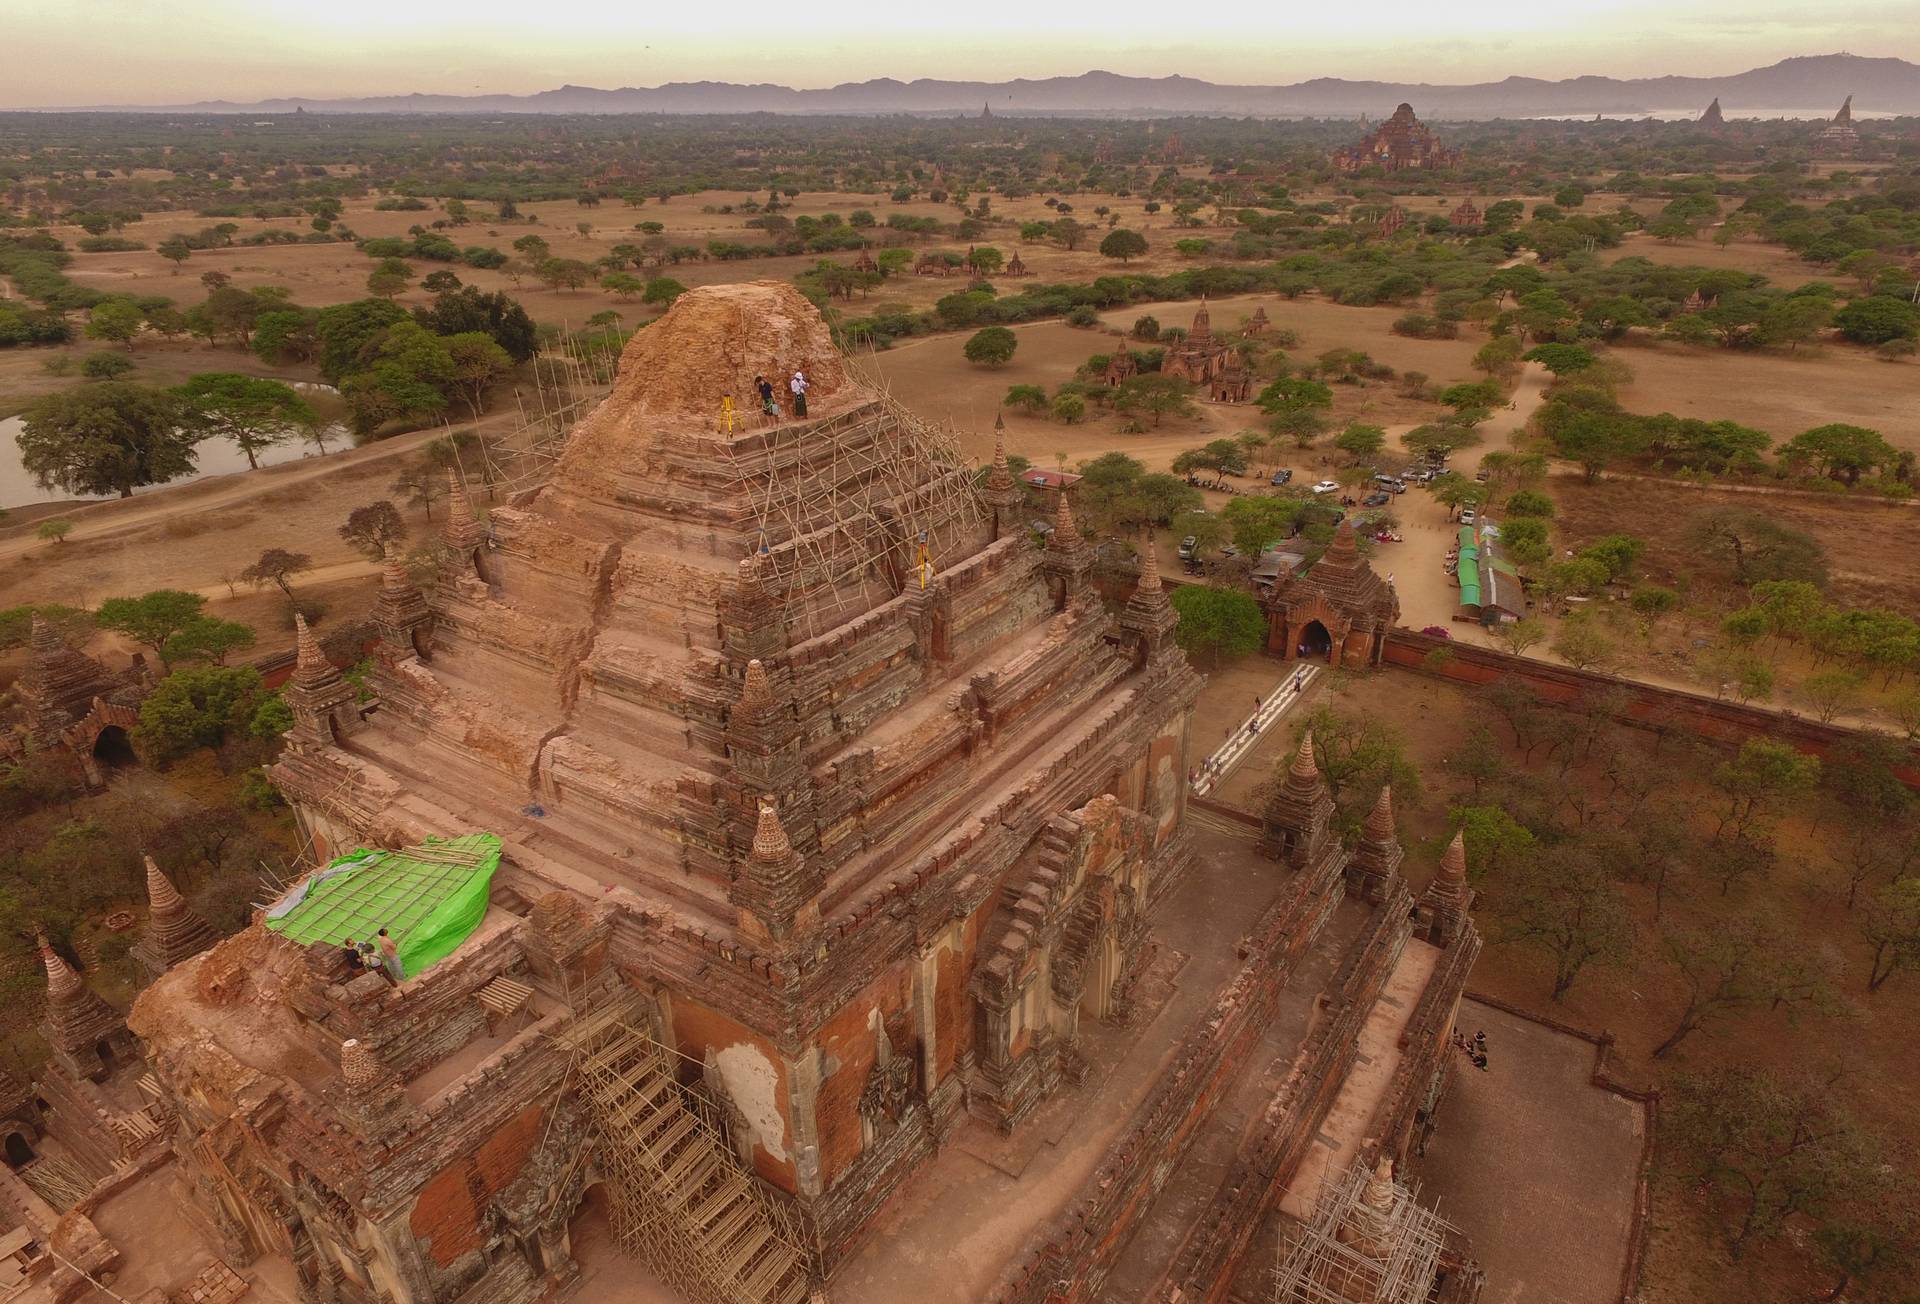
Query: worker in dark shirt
[[352, 953]]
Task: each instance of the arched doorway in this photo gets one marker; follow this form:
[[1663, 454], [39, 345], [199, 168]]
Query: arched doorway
[[19, 1152], [112, 750], [104, 1050], [1315, 641]]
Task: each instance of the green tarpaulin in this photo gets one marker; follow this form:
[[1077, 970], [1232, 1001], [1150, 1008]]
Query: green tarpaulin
[[428, 898]]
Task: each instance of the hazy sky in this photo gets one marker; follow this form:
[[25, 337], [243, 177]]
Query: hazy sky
[[55, 52]]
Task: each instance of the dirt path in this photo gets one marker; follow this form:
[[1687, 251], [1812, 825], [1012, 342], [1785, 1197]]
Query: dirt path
[[119, 515], [1418, 566]]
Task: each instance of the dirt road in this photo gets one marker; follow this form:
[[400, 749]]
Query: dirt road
[[119, 515]]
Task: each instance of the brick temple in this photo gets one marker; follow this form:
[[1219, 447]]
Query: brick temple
[[842, 826], [1401, 143]]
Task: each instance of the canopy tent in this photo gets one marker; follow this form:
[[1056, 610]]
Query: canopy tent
[[428, 897]]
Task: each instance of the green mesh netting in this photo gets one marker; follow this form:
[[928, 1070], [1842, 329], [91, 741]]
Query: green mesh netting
[[428, 898]]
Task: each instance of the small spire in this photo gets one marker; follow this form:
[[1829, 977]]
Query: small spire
[[1149, 567], [1379, 827], [999, 423], [462, 529], [1303, 769], [394, 578], [359, 1066], [1453, 864], [309, 661], [1343, 547], [162, 896], [63, 980], [1379, 1189], [43, 637], [756, 694], [770, 845], [1000, 478], [1065, 533]]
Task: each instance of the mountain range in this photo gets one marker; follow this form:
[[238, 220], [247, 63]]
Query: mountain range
[[1796, 86]]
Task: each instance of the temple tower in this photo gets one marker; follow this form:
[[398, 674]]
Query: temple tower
[[174, 929], [1068, 558], [1375, 862], [58, 684], [322, 701], [1002, 492], [1298, 821], [401, 614], [1445, 903], [1147, 622], [88, 1037], [776, 893]]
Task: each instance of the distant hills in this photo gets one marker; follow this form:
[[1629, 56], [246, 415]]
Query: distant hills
[[1811, 83]]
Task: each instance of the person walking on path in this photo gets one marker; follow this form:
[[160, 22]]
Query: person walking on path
[[765, 388], [799, 387], [390, 956]]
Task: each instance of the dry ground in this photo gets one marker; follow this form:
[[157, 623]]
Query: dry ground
[[1869, 1046], [1780, 393], [1869, 560]]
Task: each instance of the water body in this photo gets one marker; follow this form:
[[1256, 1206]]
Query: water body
[[212, 457], [1731, 115]]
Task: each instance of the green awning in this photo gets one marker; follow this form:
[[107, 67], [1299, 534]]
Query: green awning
[[428, 897], [1469, 582]]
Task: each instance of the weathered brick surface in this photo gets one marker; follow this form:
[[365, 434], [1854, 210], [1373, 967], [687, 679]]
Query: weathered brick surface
[[446, 1216]]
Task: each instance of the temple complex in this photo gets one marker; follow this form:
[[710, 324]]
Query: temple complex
[[1335, 608], [1839, 138], [1199, 356], [761, 816], [70, 702], [1466, 215], [1401, 143]]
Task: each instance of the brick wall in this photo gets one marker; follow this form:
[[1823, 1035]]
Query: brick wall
[[446, 1216], [1647, 705]]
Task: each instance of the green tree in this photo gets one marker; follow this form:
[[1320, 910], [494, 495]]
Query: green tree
[[1289, 394], [1878, 319], [477, 363], [105, 439], [624, 286], [1582, 645], [207, 638], [1259, 522], [196, 707], [374, 529], [1754, 546], [992, 347], [116, 320], [1596, 440], [1776, 1150], [1739, 964], [1561, 359], [1358, 753], [254, 414], [661, 291], [1758, 782], [1028, 398], [1123, 244], [1563, 903], [106, 366], [473, 309], [1360, 442], [175, 250], [563, 273], [408, 376], [1157, 395], [1069, 408], [152, 618], [1891, 925], [54, 531], [1218, 623], [1839, 451], [349, 333], [277, 566]]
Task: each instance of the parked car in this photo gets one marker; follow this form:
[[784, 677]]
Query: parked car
[[1468, 516], [1189, 546], [1482, 474], [1378, 498], [1393, 484], [1327, 487], [1282, 476]]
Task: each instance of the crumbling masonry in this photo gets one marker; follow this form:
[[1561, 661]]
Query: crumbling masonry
[[846, 796]]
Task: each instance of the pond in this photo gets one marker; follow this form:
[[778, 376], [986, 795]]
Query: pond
[[213, 457]]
